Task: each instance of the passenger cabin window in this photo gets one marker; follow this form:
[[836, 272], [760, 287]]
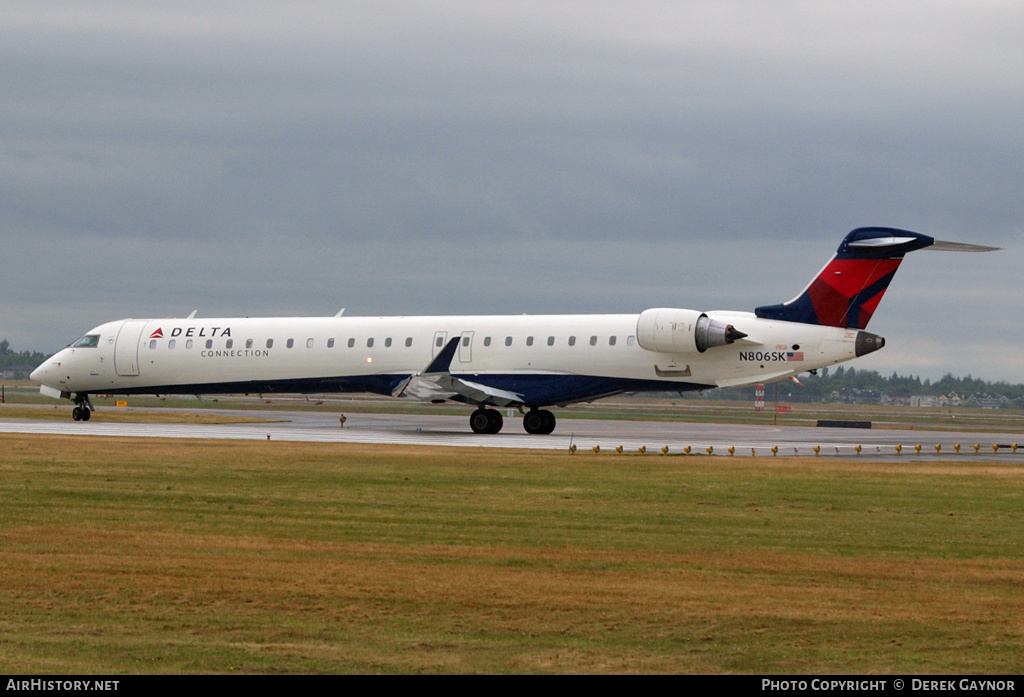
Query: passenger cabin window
[[188, 344], [351, 343], [309, 343], [465, 341], [87, 341], [290, 343], [487, 341], [551, 341], [330, 343], [172, 343], [230, 343], [152, 344], [248, 343], [630, 340], [408, 341], [369, 343], [611, 341], [572, 341], [209, 343], [270, 343], [387, 342], [508, 341], [529, 341], [439, 342], [593, 341]]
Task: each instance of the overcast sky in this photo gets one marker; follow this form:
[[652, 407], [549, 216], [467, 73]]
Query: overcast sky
[[473, 156]]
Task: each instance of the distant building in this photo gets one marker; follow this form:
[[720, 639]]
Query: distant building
[[896, 400], [854, 395], [985, 400]]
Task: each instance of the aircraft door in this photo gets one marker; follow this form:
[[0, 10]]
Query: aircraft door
[[466, 348], [126, 350]]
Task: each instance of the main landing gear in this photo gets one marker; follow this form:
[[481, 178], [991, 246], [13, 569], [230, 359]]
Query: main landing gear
[[486, 421], [539, 421], [83, 409], [535, 421]]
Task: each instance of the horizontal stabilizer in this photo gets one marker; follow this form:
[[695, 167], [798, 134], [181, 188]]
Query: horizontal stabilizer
[[878, 242], [940, 246]]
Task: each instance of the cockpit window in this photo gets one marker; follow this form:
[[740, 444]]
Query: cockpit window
[[87, 341]]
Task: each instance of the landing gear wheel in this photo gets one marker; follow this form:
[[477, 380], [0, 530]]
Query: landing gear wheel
[[479, 422], [81, 412], [486, 421], [496, 421], [539, 422]]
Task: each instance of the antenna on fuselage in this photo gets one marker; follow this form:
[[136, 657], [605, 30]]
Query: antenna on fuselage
[[340, 312], [192, 315]]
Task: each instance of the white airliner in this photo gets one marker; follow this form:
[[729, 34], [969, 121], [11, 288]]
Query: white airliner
[[524, 361]]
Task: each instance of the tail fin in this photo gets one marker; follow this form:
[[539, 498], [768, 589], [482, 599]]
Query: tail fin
[[846, 292]]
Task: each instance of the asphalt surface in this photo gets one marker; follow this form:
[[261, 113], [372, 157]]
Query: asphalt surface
[[584, 434]]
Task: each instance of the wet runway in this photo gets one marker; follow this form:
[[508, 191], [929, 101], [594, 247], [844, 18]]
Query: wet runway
[[607, 435]]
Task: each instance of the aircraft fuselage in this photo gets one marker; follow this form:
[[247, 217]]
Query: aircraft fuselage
[[546, 359]]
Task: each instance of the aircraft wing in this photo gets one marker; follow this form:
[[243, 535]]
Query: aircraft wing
[[484, 394], [436, 382], [771, 377]]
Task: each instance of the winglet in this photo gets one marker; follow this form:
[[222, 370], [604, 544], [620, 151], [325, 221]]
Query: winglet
[[442, 361]]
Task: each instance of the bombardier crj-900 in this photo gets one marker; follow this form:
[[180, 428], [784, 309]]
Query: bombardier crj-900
[[525, 361]]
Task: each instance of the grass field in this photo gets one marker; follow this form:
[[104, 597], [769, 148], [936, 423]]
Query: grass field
[[150, 556]]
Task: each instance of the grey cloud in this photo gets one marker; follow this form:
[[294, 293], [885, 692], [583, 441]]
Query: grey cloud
[[476, 156]]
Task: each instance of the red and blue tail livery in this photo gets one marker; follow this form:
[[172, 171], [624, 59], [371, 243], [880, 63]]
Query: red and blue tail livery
[[846, 292]]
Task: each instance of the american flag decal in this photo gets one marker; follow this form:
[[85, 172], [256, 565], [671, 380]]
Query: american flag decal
[[794, 355]]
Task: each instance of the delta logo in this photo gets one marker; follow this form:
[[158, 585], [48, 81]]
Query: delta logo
[[201, 332]]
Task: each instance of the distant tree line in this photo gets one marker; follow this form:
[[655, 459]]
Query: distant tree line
[[18, 365]]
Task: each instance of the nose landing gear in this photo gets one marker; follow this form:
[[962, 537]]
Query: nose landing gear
[[83, 410]]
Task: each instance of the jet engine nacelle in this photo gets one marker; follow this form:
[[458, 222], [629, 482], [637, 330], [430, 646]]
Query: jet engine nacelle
[[670, 330]]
